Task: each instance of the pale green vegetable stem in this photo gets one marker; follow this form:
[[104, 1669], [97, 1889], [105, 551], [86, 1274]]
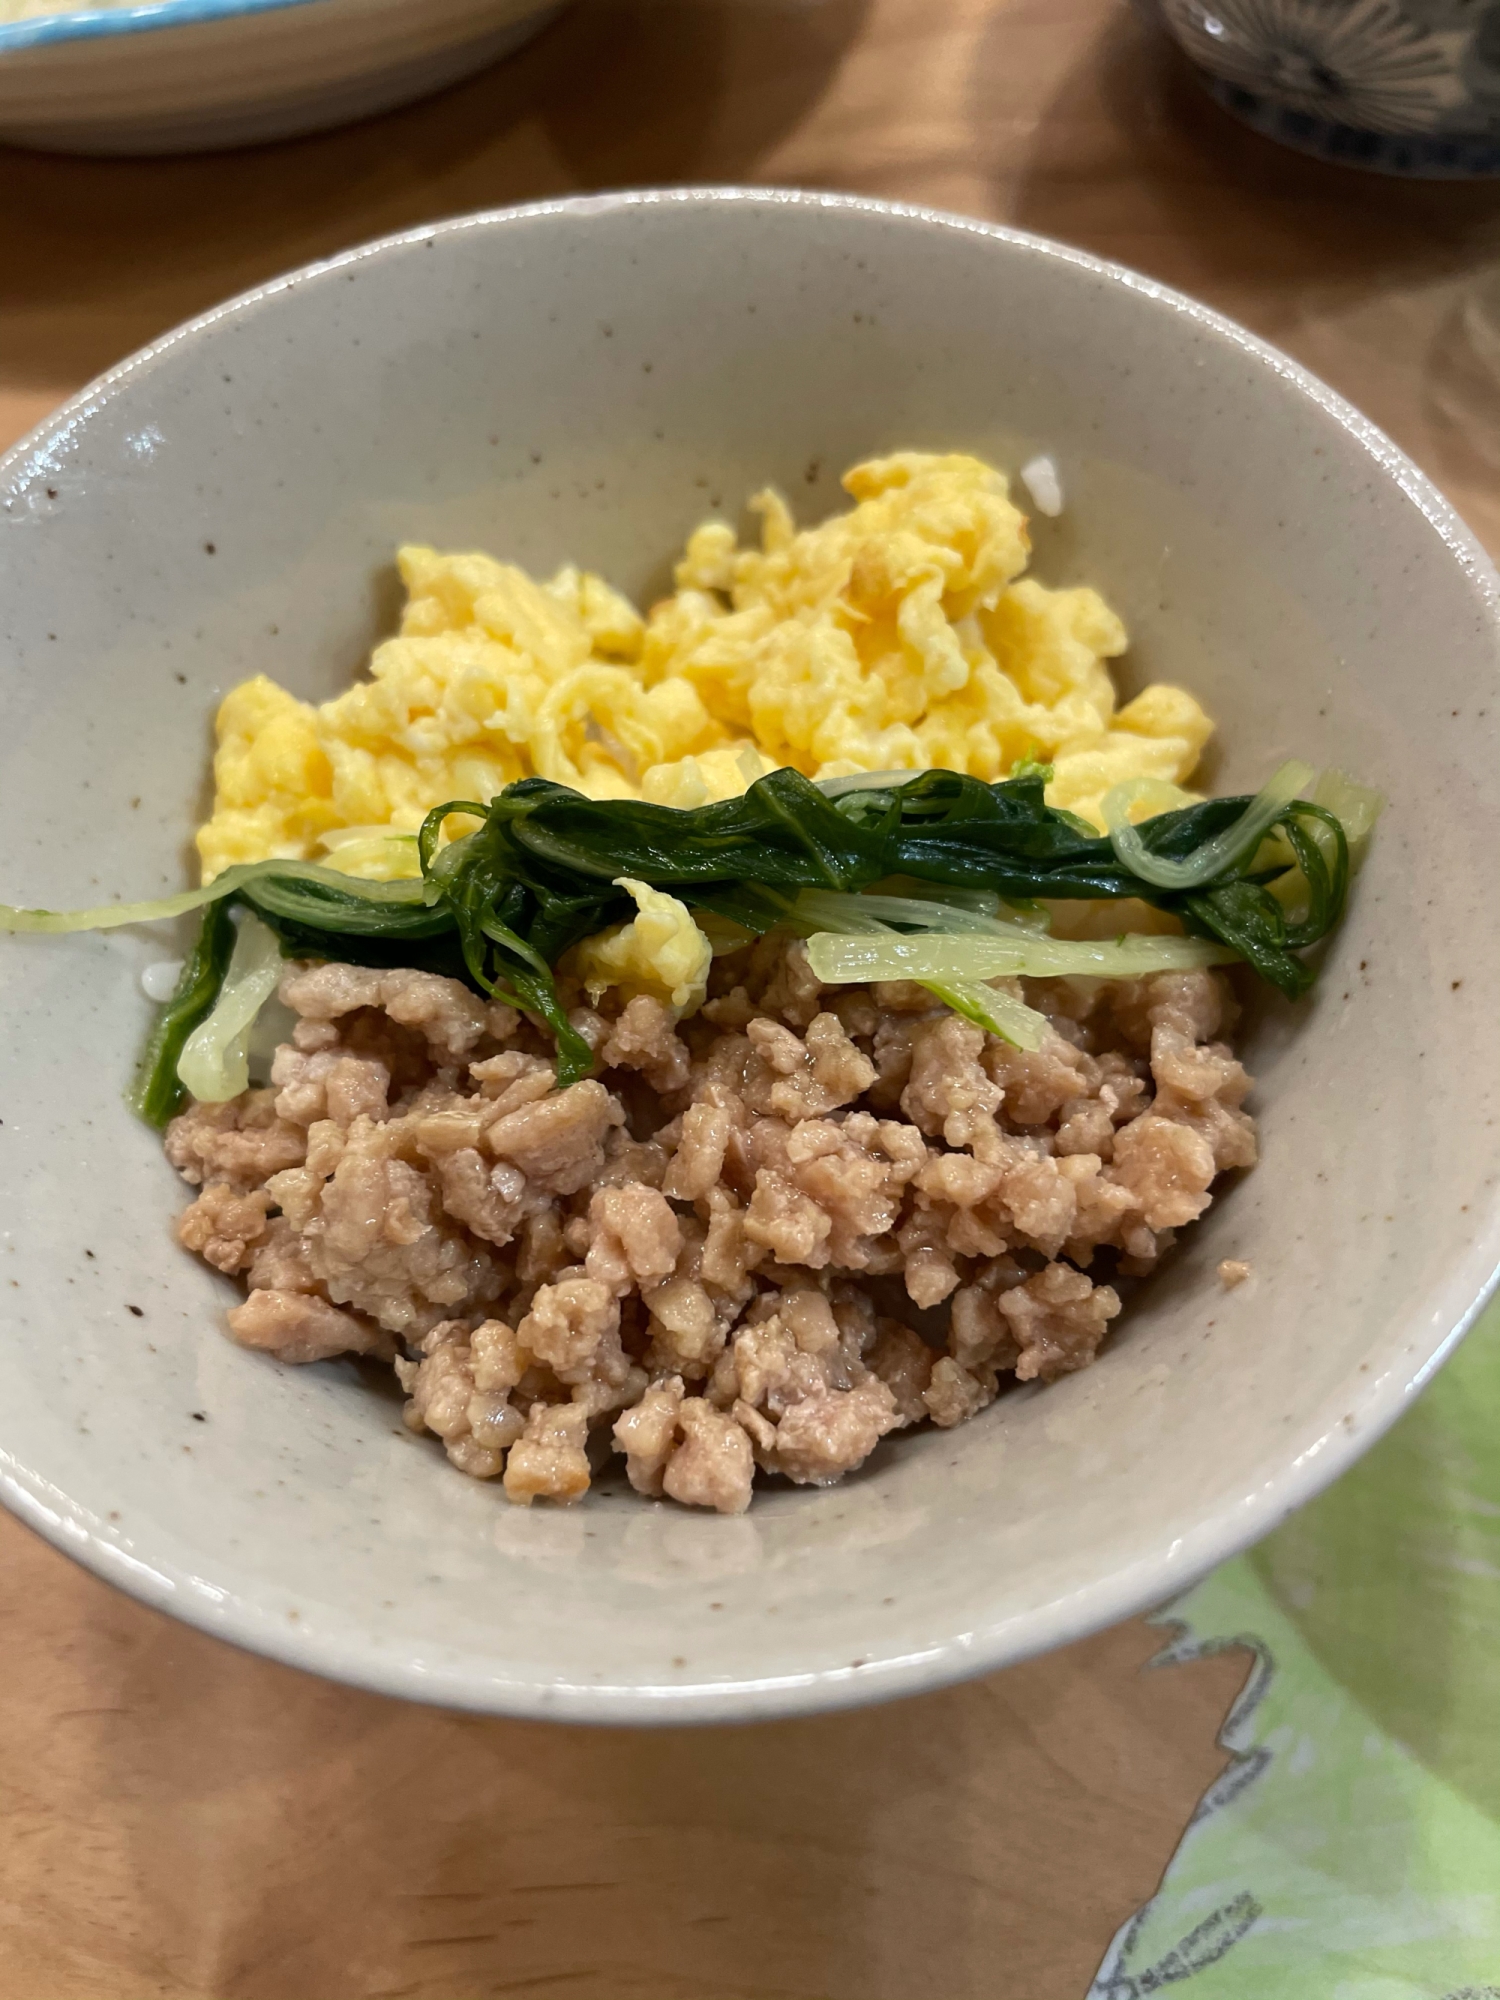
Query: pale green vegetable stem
[[949, 960], [1357, 806], [214, 1065], [863, 918], [993, 1008], [110, 916], [1216, 855], [828, 909]]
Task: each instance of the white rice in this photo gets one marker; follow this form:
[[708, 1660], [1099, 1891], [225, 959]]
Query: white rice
[[159, 982], [1039, 476]]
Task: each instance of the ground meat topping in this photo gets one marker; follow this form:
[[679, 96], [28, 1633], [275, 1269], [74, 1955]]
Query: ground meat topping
[[450, 1017], [830, 1432], [299, 1326], [221, 1225], [713, 1466], [549, 1462], [676, 1256], [558, 1142], [241, 1143], [636, 1238], [1058, 1318]]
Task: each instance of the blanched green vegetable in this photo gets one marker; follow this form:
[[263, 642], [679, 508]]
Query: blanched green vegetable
[[852, 961], [1261, 879], [157, 1092], [1214, 857], [1002, 1013], [214, 1065]]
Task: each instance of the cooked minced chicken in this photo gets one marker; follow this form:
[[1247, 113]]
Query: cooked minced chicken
[[708, 1256]]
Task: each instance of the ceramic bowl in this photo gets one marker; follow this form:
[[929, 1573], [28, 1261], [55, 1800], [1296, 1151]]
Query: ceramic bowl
[[1398, 86], [581, 381], [180, 76]]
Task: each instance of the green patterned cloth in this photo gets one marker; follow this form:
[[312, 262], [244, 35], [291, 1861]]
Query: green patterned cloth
[[1351, 1851]]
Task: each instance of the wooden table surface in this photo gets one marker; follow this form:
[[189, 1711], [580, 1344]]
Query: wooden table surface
[[181, 1820]]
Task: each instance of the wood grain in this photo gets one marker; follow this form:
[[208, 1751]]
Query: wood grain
[[181, 1820], [1063, 116]]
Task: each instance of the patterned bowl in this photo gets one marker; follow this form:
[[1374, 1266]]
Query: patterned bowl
[[181, 76], [1398, 86]]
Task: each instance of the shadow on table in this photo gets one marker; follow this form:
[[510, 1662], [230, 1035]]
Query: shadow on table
[[1132, 159], [98, 256], [1462, 386]]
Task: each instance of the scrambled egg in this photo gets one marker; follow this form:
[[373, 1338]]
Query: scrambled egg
[[661, 951], [902, 634]]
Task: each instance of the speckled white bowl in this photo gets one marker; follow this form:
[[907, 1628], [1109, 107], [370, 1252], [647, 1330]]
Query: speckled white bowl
[[583, 380], [182, 76]]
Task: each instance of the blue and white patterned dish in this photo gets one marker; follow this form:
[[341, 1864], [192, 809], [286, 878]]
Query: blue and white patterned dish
[[173, 76], [1398, 86], [84, 23]]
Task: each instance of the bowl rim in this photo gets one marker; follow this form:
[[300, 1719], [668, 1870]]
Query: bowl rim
[[1373, 1403], [83, 24]]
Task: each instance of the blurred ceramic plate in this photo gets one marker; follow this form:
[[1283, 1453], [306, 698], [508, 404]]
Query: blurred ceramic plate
[[1396, 86], [180, 76]]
